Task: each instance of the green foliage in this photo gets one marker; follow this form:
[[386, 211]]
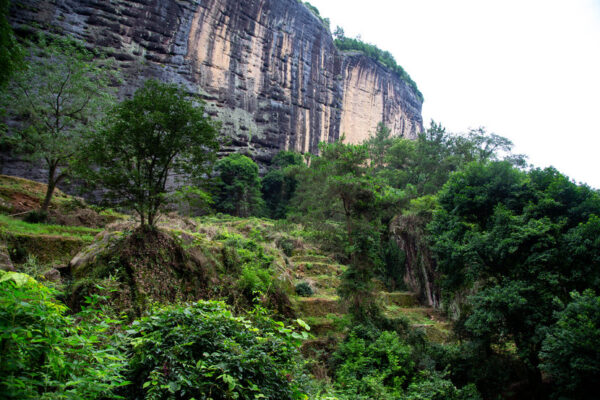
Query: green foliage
[[45, 355], [304, 289], [374, 368], [254, 280], [11, 54], [522, 240], [279, 184], [36, 217], [375, 364], [59, 100], [426, 163], [238, 186], [203, 351], [472, 362], [316, 12], [286, 245], [384, 57], [156, 133], [192, 201], [340, 186], [570, 353]]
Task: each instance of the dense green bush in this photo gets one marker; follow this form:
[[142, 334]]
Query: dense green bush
[[304, 289], [254, 280], [36, 216], [375, 364], [203, 351], [570, 351], [519, 242], [45, 354], [378, 368]]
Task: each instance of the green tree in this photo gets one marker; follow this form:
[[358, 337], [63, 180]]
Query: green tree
[[340, 186], [147, 138], [58, 101], [518, 241], [427, 162], [379, 145], [238, 186], [570, 351], [279, 184]]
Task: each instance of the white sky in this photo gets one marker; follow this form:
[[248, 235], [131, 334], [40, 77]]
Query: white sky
[[528, 70]]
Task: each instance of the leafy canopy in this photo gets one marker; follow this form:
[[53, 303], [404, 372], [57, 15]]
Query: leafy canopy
[[238, 186], [521, 241], [570, 351], [58, 100], [46, 355], [147, 139]]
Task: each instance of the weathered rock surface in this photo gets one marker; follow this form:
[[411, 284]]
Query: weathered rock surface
[[5, 261], [267, 68]]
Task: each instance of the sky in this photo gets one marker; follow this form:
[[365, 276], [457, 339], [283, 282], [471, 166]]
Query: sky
[[528, 70]]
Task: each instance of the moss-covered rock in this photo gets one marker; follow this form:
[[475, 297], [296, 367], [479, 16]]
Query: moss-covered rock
[[138, 268], [5, 261], [47, 249]]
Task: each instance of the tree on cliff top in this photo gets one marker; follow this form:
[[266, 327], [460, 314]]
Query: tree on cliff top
[[147, 138], [57, 100]]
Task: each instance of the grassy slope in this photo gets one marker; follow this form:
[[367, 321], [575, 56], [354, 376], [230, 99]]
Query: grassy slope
[[291, 255]]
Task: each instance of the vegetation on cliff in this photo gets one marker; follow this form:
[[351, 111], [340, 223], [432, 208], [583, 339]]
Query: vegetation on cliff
[[386, 58]]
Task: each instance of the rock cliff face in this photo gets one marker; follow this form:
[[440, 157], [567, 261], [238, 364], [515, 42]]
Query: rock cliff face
[[268, 69]]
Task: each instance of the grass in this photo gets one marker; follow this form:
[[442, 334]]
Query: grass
[[11, 185], [16, 226]]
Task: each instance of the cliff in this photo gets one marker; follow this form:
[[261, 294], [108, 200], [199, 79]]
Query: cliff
[[268, 69]]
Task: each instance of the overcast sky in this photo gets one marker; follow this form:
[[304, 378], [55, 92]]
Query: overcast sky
[[528, 70]]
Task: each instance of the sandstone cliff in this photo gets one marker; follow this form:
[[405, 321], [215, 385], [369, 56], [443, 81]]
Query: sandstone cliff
[[267, 68]]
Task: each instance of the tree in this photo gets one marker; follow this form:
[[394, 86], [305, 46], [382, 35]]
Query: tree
[[147, 138], [279, 184], [238, 186], [339, 33], [570, 351], [57, 101], [519, 241], [340, 186]]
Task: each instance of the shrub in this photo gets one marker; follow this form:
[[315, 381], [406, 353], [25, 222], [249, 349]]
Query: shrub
[[254, 280], [45, 354], [374, 364], [304, 289], [383, 364], [203, 351], [36, 217], [286, 245]]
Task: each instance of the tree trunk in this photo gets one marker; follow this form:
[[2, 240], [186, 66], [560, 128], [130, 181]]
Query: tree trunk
[[52, 181]]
